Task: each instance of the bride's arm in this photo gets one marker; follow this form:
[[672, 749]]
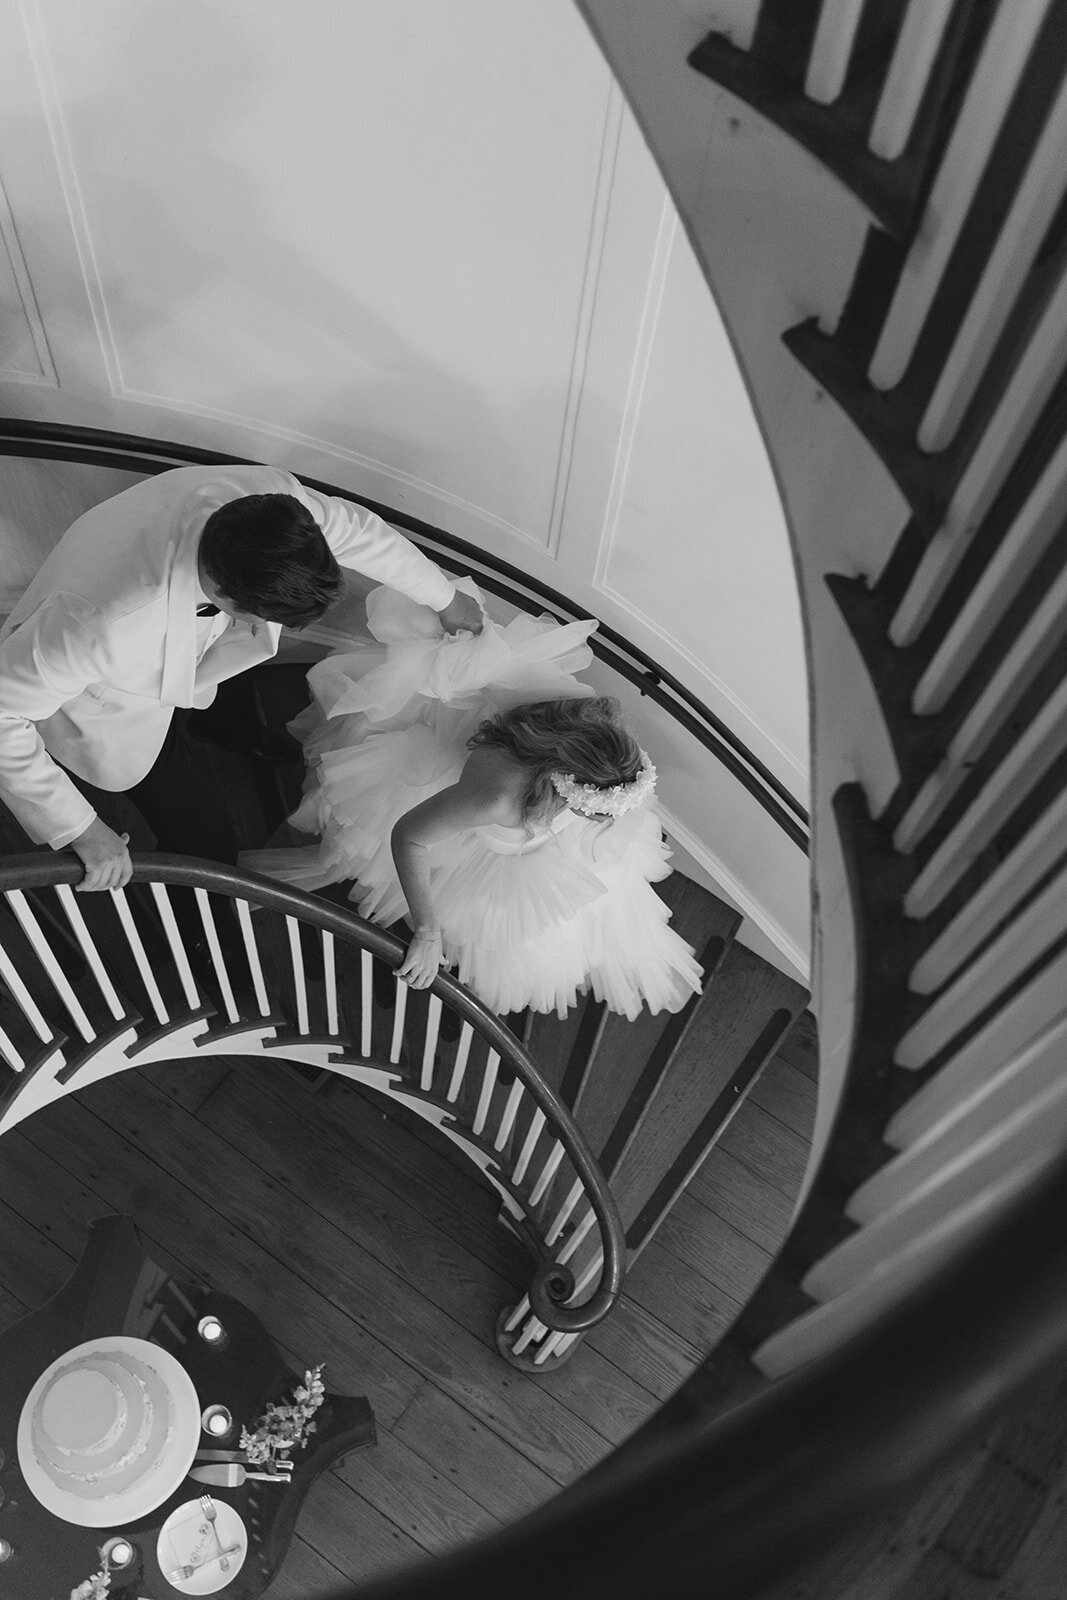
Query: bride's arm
[[482, 795]]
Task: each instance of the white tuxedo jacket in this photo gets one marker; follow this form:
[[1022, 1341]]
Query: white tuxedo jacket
[[106, 641]]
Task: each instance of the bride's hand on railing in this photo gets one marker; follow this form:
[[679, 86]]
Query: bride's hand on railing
[[424, 959]]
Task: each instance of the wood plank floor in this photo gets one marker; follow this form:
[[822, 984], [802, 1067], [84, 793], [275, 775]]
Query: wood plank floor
[[359, 1242]]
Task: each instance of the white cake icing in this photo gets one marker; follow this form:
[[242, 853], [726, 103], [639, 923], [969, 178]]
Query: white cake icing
[[101, 1423]]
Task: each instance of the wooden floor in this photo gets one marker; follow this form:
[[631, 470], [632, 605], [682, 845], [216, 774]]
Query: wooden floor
[[358, 1242]]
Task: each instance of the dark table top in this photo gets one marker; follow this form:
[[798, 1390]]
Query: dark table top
[[115, 1289]]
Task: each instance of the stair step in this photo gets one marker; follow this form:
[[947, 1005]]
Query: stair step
[[731, 1034], [631, 1057]]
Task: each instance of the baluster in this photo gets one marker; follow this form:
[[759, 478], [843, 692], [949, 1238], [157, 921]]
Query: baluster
[[459, 1067], [1032, 211], [918, 42], [296, 961], [207, 917], [559, 1221], [164, 906], [548, 1172], [69, 901], [144, 967], [995, 80], [831, 50], [255, 966], [366, 1000], [489, 1073], [46, 956], [429, 1048], [511, 1111], [537, 1123], [399, 1015], [329, 973]]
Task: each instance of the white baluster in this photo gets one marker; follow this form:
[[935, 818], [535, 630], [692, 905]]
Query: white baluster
[[459, 1067], [831, 50], [548, 1172], [296, 961], [137, 950], [329, 973], [1013, 420], [399, 1015], [366, 1000], [931, 1111], [1023, 765], [218, 960], [1038, 850], [909, 72], [489, 1072], [177, 945], [429, 1046], [1001, 283], [22, 995], [1038, 525], [511, 1110], [255, 966], [69, 901], [537, 1123], [559, 1221], [45, 955], [989, 94]]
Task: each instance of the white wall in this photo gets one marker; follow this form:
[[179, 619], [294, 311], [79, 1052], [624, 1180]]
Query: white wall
[[419, 250]]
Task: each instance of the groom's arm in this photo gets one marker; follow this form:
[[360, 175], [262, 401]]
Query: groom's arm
[[46, 662], [361, 540]]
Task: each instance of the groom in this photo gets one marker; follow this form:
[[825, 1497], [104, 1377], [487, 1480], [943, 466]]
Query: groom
[[147, 603]]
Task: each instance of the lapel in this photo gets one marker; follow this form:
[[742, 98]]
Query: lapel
[[179, 635]]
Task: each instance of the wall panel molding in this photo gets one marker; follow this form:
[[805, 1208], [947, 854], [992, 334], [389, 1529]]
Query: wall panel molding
[[52, 110], [44, 372]]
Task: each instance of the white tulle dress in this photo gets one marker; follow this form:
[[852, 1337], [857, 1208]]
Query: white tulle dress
[[529, 919]]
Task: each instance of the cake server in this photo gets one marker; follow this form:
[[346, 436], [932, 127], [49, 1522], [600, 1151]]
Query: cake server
[[231, 1474]]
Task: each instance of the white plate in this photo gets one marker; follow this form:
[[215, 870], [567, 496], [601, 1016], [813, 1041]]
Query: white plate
[[187, 1535], [158, 1482]]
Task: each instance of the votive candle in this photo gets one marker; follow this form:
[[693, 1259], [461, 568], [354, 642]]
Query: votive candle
[[211, 1331], [217, 1421], [118, 1552]]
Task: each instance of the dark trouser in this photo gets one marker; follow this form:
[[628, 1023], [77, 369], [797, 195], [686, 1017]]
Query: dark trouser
[[183, 805]]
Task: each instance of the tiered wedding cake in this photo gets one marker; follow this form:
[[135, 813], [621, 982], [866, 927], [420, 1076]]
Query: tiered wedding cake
[[100, 1423]]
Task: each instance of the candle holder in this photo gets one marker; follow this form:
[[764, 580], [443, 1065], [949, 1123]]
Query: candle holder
[[212, 1332], [118, 1553], [216, 1421]]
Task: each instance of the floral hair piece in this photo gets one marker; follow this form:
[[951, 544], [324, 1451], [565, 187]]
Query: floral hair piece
[[613, 802]]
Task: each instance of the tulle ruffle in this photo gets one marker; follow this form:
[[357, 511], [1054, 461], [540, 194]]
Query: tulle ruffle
[[529, 919]]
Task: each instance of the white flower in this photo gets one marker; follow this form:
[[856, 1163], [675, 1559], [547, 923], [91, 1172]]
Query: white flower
[[613, 802]]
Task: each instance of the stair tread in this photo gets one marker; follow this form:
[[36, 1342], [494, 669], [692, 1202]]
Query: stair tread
[[720, 1050]]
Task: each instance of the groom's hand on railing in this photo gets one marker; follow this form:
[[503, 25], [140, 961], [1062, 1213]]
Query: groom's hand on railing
[[106, 858], [463, 613]]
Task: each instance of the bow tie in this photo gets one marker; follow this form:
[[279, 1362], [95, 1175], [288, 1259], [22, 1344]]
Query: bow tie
[[207, 611]]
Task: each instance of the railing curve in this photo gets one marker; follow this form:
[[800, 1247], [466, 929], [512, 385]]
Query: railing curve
[[199, 959]]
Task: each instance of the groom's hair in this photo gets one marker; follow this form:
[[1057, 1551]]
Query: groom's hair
[[268, 555]]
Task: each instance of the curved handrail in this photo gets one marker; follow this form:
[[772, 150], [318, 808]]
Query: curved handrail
[[552, 1284], [101, 447]]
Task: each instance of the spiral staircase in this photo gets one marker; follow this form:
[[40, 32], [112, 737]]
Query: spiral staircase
[[877, 193]]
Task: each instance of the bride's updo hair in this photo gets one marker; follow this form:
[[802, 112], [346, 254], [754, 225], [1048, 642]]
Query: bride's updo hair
[[583, 737]]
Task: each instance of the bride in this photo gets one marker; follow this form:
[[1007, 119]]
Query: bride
[[476, 786]]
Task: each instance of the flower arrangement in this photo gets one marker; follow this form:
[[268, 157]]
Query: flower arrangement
[[282, 1428]]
